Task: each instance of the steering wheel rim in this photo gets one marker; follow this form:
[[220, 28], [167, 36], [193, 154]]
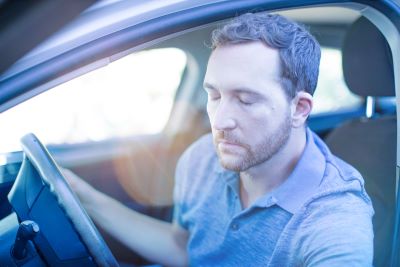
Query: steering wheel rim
[[43, 162]]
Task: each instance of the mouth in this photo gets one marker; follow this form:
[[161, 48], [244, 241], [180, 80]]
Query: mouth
[[228, 146], [227, 142]]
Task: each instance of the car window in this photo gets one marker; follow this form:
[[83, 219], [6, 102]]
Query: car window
[[133, 95], [332, 93]]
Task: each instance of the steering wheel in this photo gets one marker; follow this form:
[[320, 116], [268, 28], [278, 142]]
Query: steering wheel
[[40, 193]]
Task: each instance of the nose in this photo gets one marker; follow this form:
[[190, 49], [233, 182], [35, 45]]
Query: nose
[[222, 117]]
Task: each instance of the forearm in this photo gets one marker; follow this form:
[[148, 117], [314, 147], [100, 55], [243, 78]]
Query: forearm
[[153, 239]]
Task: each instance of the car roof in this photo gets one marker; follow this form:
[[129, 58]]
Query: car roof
[[110, 16], [100, 19]]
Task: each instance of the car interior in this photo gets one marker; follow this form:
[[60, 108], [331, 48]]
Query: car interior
[[139, 170], [369, 142]]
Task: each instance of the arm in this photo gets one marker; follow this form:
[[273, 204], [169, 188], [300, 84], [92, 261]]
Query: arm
[[339, 233], [158, 241]]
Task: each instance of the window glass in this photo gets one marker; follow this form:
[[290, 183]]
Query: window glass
[[133, 95], [332, 93]]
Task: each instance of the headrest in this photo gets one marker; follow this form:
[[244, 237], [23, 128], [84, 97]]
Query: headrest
[[367, 60]]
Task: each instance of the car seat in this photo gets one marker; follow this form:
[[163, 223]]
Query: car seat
[[369, 143]]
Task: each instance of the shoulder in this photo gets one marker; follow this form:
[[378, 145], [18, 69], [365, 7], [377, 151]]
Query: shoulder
[[339, 205], [195, 178], [203, 145], [198, 154], [196, 167], [331, 230], [342, 177], [339, 176], [337, 229]]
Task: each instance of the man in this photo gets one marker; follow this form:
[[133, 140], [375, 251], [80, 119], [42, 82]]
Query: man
[[263, 189]]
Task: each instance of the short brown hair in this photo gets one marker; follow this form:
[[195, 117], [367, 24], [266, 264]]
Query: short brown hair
[[299, 51]]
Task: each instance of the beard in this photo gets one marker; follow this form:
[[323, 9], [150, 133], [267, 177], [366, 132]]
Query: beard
[[254, 155]]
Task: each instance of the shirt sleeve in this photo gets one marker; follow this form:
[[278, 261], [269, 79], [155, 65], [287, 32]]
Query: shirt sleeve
[[179, 191], [339, 232]]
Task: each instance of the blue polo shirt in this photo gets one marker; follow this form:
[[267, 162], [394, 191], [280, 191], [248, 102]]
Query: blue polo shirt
[[320, 216]]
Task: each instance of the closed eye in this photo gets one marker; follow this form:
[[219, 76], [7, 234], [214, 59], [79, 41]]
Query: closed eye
[[214, 97], [247, 100], [245, 103]]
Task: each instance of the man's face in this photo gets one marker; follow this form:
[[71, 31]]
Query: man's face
[[249, 112]]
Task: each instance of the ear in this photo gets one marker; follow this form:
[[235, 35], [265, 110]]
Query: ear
[[302, 105]]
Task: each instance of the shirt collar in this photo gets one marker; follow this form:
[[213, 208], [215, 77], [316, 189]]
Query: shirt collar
[[302, 183], [231, 178]]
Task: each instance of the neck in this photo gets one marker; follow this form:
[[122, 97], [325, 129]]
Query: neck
[[268, 175]]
